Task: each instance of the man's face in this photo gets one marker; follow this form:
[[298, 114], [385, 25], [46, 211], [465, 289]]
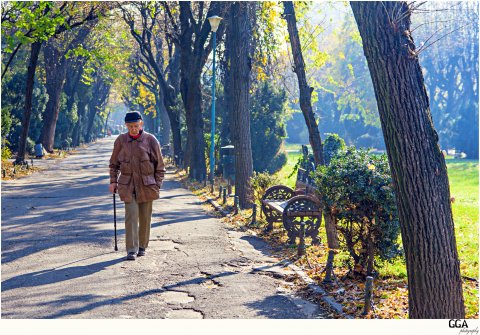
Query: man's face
[[134, 127]]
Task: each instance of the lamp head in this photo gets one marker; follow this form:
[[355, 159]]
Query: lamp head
[[214, 22]]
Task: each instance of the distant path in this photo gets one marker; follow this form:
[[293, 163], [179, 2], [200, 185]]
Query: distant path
[[58, 259]]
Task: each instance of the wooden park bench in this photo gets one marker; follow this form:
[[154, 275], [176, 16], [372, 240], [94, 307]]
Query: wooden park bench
[[295, 207]]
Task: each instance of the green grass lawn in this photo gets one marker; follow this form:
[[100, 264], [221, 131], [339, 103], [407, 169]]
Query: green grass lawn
[[463, 177]]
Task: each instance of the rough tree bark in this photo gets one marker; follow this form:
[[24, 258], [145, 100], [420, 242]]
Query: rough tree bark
[[173, 85], [32, 66], [306, 107], [417, 164], [239, 42]]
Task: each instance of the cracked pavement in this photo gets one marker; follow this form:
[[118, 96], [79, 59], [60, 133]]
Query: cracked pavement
[[58, 259]]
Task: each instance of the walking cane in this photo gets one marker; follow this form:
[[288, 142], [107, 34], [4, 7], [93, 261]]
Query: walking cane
[[115, 220]]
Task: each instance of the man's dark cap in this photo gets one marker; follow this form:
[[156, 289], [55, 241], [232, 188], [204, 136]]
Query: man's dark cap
[[132, 117]]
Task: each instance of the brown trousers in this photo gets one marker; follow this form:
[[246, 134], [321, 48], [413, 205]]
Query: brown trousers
[[137, 224]]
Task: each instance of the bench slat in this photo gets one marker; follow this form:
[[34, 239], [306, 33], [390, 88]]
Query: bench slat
[[279, 206], [276, 205]]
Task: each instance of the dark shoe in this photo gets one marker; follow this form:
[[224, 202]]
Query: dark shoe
[[131, 256], [141, 252]]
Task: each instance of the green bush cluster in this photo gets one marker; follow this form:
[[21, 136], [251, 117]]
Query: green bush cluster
[[6, 152], [260, 182], [268, 107], [357, 189]]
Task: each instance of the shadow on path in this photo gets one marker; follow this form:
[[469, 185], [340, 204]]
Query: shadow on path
[[56, 275], [50, 216], [274, 307]]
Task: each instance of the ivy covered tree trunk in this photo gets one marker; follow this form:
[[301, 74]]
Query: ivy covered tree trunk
[[306, 107], [239, 41], [417, 164], [32, 66]]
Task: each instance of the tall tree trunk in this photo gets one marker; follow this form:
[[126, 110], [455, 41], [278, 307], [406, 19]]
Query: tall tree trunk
[[73, 80], [226, 127], [306, 107], [239, 40], [101, 90], [168, 103], [164, 125], [90, 119], [105, 128], [193, 55], [148, 122], [170, 100], [305, 89], [191, 95], [195, 151], [32, 66], [418, 167], [84, 97], [56, 72]]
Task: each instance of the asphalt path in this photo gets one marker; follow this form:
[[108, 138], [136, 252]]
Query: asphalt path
[[58, 259]]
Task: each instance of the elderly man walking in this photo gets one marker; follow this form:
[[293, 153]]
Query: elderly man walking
[[137, 156]]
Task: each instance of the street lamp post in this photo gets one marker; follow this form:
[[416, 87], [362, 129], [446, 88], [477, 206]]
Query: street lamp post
[[214, 22]]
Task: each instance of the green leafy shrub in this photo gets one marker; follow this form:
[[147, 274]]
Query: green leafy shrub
[[267, 128], [357, 189], [6, 152], [331, 146], [6, 120], [260, 182]]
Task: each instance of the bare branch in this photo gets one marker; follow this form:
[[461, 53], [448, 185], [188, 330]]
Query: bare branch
[[424, 47], [425, 23]]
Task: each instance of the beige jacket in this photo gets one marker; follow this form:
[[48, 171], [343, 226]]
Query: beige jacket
[[141, 167]]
